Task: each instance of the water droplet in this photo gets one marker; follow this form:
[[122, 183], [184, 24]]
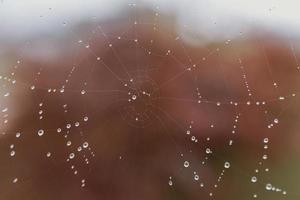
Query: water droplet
[[12, 153], [253, 179], [268, 186], [71, 155], [226, 165], [40, 132], [186, 164], [85, 145], [15, 180], [265, 157], [208, 150]]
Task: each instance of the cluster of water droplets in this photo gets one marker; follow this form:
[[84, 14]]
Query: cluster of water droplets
[[137, 97]]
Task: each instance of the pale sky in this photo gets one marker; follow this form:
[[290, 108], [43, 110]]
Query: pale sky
[[21, 18]]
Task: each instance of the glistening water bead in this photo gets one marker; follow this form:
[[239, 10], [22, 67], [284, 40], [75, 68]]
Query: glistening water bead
[[85, 144], [40, 132], [253, 179], [18, 135], [186, 164], [12, 153], [71, 155], [226, 165], [268, 186]]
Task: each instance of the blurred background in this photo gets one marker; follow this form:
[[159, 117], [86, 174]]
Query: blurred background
[[149, 99]]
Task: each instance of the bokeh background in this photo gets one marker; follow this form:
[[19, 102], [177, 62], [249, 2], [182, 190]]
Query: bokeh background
[[202, 62]]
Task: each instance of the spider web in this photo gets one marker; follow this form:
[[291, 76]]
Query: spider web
[[137, 80]]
